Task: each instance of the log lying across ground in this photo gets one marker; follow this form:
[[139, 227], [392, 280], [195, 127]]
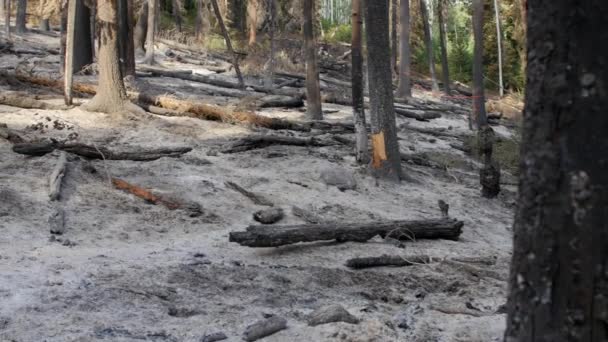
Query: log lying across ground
[[98, 152], [274, 236], [388, 260], [28, 102], [261, 141]]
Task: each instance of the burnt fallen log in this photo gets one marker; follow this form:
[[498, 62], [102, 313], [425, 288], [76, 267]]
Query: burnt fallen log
[[95, 152], [274, 236], [387, 260], [262, 141]]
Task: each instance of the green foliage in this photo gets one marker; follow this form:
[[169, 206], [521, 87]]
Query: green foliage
[[339, 33], [506, 151]]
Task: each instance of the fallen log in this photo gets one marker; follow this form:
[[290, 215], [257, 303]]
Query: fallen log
[[274, 236], [255, 198], [144, 194], [264, 328], [21, 101], [422, 159], [94, 152], [261, 141], [57, 176], [387, 260]]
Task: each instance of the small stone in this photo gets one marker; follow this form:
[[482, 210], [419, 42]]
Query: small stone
[[217, 336], [339, 177], [331, 314], [269, 216]]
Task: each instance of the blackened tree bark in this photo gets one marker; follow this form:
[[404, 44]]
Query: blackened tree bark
[[559, 272], [141, 28], [83, 47], [386, 162], [499, 47], [479, 109], [441, 11], [428, 41], [235, 58], [126, 43], [313, 89], [21, 16], [272, 9], [405, 89], [111, 95], [151, 32], [394, 39], [361, 149]]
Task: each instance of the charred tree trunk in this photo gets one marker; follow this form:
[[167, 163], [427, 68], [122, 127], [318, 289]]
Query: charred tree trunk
[[428, 41], [235, 58], [271, 32], [445, 71], [479, 109], [313, 89], [111, 95], [559, 273], [151, 32], [394, 40], [499, 47], [386, 161], [361, 149], [126, 41], [21, 16], [405, 89], [141, 28], [177, 15], [83, 47]]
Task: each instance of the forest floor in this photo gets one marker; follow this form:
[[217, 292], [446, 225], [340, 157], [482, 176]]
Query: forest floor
[[125, 270]]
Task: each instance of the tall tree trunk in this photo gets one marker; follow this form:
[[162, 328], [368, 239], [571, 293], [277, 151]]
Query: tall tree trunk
[[386, 160], [405, 89], [559, 273], [21, 16], [111, 95], [313, 89], [201, 23], [394, 40], [428, 41], [69, 53], [92, 27], [63, 12], [7, 19], [252, 20], [441, 11], [270, 72], [151, 32], [83, 49], [177, 15], [44, 24], [141, 28], [235, 58], [479, 108], [126, 43], [499, 43], [2, 5], [361, 149]]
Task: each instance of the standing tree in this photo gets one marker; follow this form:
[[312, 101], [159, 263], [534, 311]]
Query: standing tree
[[272, 8], [441, 11], [141, 28], [7, 19], [177, 14], [428, 41], [21, 16], [394, 38], [313, 89], [405, 89], [235, 59], [201, 22], [499, 43], [111, 95], [69, 53], [252, 20], [126, 43], [151, 32], [361, 150], [386, 160], [559, 270]]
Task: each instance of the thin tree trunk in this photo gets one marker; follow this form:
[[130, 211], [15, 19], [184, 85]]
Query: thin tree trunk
[[479, 108], [270, 71], [2, 5], [141, 28], [428, 41], [405, 90], [126, 42], [21, 16], [63, 12], [7, 19], [313, 89], [151, 32], [177, 16], [252, 20], [394, 40], [361, 149], [201, 22], [441, 10], [235, 59], [386, 160], [69, 52], [499, 43], [559, 273], [92, 27], [44, 25]]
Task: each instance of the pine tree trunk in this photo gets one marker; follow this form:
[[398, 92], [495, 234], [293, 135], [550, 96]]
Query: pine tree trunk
[[441, 10], [479, 109], [394, 40], [271, 32], [2, 5], [201, 23], [21, 16], [252, 20], [177, 16], [126, 41], [7, 19], [141, 28], [499, 43], [151, 32], [235, 59], [83, 49], [405, 89], [559, 273], [69, 52], [386, 160], [428, 41], [361, 149], [313, 89], [111, 95]]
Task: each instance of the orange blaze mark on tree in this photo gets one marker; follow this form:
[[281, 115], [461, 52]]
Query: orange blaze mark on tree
[[378, 150]]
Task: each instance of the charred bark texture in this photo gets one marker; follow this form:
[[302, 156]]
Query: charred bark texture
[[21, 18], [313, 89], [361, 148], [445, 71], [405, 88], [479, 108]]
